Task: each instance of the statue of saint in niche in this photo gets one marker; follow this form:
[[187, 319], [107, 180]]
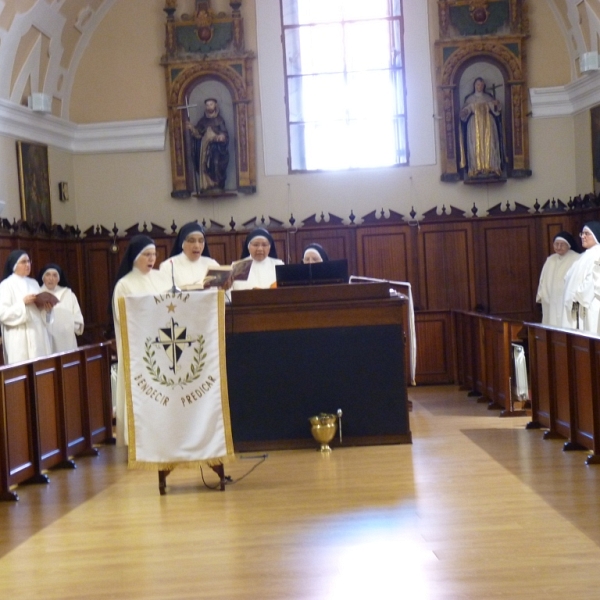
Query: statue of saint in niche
[[210, 153], [481, 152]]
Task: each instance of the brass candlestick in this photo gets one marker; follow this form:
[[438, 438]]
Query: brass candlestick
[[323, 428]]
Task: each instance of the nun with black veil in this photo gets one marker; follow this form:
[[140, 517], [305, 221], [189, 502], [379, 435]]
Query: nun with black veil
[[136, 275], [581, 300], [68, 320], [314, 253], [259, 247], [552, 278], [23, 321], [190, 258]]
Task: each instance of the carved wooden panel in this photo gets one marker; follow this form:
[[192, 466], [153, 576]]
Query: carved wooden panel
[[560, 383], [18, 431], [99, 275], [49, 413], [435, 363], [386, 252], [541, 376], [507, 271], [582, 418], [74, 398], [99, 403], [446, 267]]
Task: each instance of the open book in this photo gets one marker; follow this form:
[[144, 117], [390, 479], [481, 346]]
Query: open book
[[45, 298], [221, 276]]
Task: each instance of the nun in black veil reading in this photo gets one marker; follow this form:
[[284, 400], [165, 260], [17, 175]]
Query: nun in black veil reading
[[190, 258], [259, 248]]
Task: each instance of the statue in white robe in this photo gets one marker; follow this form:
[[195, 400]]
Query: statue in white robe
[[480, 139]]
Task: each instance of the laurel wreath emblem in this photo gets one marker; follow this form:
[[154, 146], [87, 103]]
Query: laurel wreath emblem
[[194, 372]]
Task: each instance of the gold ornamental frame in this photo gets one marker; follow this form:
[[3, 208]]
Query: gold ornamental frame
[[506, 53], [203, 62]]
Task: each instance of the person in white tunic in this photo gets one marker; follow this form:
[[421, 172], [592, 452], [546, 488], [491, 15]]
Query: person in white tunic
[[68, 320], [190, 258], [552, 278], [259, 247], [314, 253], [24, 334], [581, 307], [136, 275]]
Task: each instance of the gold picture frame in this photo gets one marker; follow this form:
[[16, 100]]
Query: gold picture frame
[[34, 183]]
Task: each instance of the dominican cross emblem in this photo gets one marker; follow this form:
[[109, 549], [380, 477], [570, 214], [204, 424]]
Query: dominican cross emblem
[[174, 341]]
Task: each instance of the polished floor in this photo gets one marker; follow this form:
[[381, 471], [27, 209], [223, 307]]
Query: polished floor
[[476, 508]]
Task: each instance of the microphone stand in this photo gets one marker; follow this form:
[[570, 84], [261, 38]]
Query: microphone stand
[[174, 288]]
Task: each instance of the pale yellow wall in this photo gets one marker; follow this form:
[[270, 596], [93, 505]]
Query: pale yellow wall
[[583, 150], [548, 53], [120, 78]]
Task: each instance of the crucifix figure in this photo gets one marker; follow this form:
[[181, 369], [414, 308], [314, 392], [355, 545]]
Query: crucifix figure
[[173, 340]]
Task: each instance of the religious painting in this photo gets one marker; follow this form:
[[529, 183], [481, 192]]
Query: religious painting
[[34, 183], [595, 118]]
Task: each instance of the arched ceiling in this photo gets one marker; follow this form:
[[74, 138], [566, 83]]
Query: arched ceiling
[[41, 43]]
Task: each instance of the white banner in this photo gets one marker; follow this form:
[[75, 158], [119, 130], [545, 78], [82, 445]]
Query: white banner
[[176, 379]]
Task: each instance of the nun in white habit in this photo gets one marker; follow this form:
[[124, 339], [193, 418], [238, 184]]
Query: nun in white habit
[[24, 334], [136, 275], [581, 305], [190, 258], [552, 279], [68, 320], [259, 247]]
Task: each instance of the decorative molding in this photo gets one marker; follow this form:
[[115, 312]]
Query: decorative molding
[[146, 135], [567, 100]]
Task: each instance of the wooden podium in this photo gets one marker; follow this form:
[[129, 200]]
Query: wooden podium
[[293, 353]]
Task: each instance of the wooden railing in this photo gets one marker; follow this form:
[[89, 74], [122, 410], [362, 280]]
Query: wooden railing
[[52, 409], [563, 370], [565, 386], [484, 358]]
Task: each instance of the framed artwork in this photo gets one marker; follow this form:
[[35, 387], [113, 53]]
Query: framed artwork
[[595, 118], [34, 183]]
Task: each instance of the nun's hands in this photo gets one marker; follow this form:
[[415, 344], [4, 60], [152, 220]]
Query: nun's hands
[[29, 299]]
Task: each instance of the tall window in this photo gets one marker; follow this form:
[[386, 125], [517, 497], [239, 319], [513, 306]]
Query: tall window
[[345, 83]]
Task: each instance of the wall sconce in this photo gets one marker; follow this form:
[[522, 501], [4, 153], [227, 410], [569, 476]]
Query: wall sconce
[[63, 191]]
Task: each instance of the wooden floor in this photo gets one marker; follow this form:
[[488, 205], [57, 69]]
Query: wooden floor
[[476, 508]]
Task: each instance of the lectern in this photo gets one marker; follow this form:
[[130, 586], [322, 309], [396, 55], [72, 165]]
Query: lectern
[[299, 351]]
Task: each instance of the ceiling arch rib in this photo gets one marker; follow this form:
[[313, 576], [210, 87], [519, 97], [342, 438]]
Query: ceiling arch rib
[[41, 68]]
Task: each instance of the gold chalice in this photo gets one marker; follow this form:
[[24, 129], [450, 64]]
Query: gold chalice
[[323, 428]]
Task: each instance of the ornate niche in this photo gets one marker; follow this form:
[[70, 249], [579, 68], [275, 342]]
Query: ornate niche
[[209, 74], [481, 78]]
